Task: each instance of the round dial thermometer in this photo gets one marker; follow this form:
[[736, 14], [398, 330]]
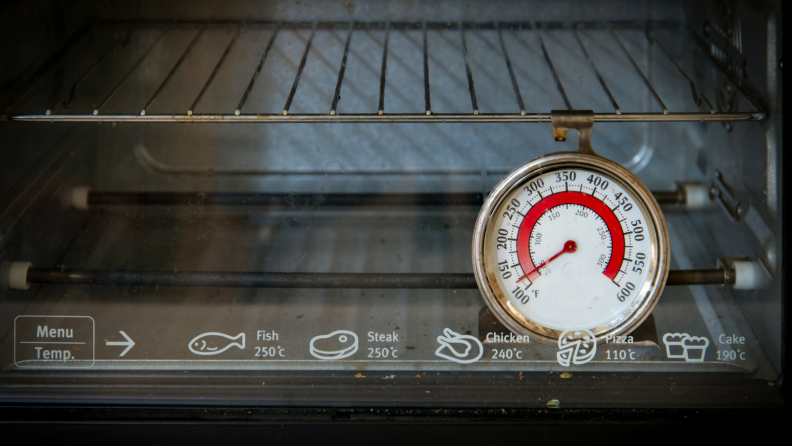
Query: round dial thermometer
[[567, 242]]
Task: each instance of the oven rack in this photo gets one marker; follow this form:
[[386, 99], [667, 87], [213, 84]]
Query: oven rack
[[55, 106]]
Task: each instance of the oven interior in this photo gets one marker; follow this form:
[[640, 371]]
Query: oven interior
[[168, 168]]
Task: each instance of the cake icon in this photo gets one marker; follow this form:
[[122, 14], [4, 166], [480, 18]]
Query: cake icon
[[684, 346], [695, 348], [674, 345]]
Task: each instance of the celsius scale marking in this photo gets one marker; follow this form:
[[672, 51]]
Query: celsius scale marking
[[569, 242]]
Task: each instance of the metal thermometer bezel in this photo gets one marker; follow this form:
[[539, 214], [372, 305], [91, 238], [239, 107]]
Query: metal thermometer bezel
[[496, 300]]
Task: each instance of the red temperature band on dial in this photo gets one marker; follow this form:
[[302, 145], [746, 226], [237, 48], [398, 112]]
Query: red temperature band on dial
[[561, 198]]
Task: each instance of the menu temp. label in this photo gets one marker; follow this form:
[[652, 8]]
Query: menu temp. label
[[54, 341]]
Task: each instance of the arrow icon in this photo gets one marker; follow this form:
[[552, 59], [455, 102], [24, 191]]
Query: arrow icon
[[129, 344]]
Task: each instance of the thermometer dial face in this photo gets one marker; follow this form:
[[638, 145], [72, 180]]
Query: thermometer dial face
[[570, 242]]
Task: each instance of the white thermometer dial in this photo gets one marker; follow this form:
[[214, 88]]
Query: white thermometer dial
[[571, 246]]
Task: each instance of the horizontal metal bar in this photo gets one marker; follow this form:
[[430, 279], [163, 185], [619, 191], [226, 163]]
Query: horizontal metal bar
[[373, 117], [292, 200], [252, 279], [98, 198], [417, 25], [445, 281]]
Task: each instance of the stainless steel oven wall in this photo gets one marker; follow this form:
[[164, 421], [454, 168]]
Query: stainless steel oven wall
[[744, 162]]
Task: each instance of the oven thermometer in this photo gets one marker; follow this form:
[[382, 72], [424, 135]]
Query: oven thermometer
[[570, 241]]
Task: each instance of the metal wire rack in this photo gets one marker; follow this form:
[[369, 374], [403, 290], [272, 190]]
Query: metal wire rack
[[58, 103]]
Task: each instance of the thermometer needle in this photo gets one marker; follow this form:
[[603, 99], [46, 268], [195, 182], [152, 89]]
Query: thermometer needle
[[569, 247]]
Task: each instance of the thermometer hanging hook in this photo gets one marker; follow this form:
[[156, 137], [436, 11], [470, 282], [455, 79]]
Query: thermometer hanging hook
[[580, 120]]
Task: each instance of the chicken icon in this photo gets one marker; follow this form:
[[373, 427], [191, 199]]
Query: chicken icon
[[210, 343], [450, 341]]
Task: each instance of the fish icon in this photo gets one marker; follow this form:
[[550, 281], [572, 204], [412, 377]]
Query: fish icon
[[210, 343], [451, 339], [336, 345]]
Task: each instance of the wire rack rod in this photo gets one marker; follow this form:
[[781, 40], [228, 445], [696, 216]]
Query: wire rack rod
[[214, 72], [556, 78], [520, 33], [299, 70], [383, 71], [639, 71], [515, 86], [744, 88], [172, 71], [341, 70], [697, 95], [427, 92], [48, 67], [67, 100], [129, 72], [257, 72], [597, 73], [471, 86]]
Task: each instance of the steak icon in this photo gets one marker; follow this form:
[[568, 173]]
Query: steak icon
[[339, 344]]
